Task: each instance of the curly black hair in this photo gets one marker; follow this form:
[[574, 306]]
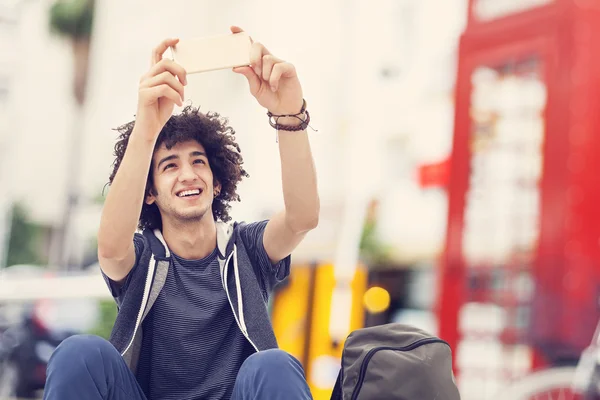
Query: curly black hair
[[224, 156]]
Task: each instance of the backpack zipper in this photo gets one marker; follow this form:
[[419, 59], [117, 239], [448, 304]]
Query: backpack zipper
[[371, 353]]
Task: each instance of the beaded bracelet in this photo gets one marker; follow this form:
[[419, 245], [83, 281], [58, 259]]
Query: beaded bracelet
[[274, 120]]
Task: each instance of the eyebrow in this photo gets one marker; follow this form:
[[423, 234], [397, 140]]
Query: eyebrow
[[168, 158], [175, 157]]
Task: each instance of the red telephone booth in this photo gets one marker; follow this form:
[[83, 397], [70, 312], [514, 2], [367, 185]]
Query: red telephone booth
[[520, 276]]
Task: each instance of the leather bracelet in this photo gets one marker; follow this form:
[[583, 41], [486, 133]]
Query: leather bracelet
[[274, 120]]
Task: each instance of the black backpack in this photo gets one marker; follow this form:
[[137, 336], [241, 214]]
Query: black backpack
[[395, 362]]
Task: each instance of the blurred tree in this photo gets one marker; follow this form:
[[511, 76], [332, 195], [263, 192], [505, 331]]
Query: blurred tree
[[24, 243], [99, 198], [73, 19], [108, 314], [372, 250]]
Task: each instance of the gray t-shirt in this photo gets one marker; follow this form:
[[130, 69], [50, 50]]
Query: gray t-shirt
[[192, 347]]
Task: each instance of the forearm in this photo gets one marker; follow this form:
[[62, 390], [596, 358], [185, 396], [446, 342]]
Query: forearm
[[299, 181], [125, 198]]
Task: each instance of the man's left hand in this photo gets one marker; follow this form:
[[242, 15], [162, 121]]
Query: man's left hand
[[273, 82]]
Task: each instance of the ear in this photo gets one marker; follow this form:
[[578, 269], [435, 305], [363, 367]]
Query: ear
[[216, 188], [150, 198]]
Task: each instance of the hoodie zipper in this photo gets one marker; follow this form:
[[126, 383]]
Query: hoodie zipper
[[371, 353], [224, 283]]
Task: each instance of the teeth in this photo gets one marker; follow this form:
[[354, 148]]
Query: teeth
[[189, 192]]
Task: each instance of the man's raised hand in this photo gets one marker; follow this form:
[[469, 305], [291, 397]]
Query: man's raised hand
[[159, 90]]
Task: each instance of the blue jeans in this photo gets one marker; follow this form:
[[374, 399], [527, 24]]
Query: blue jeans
[[89, 367]]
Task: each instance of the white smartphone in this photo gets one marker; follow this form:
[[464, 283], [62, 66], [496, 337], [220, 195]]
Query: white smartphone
[[213, 52]]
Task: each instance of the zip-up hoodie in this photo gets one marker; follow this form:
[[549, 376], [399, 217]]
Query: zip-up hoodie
[[241, 281]]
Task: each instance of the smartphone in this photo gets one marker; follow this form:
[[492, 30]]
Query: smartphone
[[213, 52]]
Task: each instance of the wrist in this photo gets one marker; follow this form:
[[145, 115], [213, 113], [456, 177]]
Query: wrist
[[290, 121], [144, 134], [296, 108]]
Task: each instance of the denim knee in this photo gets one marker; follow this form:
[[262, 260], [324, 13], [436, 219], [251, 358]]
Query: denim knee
[[82, 350], [271, 374], [272, 359]]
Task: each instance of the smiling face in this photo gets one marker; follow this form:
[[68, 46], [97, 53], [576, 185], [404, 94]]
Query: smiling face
[[183, 187]]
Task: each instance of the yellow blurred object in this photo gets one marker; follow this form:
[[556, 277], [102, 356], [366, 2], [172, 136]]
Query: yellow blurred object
[[290, 311], [376, 300], [301, 321]]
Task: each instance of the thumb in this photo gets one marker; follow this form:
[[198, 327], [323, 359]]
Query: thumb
[[253, 79]]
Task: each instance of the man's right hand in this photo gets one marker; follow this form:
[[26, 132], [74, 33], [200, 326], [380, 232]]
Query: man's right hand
[[159, 90]]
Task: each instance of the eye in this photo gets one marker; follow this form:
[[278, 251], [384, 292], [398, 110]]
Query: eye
[[169, 166], [199, 161]]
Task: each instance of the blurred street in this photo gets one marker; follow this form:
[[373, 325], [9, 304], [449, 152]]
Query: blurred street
[[456, 149]]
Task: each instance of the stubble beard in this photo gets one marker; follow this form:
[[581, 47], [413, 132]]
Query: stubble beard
[[195, 215]]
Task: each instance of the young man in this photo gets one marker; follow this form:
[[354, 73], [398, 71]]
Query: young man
[[192, 289]]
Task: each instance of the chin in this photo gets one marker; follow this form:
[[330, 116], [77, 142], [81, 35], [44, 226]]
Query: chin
[[192, 215]]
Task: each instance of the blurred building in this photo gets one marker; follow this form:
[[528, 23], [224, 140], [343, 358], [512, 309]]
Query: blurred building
[[9, 27], [7, 23], [36, 113]]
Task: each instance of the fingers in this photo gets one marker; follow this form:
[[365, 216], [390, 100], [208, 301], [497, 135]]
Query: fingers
[[273, 69], [253, 79], [169, 66], [281, 69], [268, 62], [164, 90], [160, 50], [257, 51], [264, 67], [165, 78], [237, 29]]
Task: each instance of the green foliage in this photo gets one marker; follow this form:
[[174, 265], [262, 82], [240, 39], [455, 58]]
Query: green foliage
[[108, 314], [99, 198], [24, 245], [72, 18], [372, 250]]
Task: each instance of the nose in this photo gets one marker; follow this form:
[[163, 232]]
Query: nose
[[187, 173]]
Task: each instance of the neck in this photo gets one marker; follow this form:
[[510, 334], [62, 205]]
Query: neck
[[191, 240]]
